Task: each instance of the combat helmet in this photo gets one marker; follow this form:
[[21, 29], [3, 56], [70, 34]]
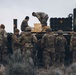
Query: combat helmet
[[48, 30], [60, 32]]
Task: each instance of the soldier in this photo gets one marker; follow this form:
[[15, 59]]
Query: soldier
[[48, 43], [24, 23], [61, 43], [42, 17], [73, 46], [16, 45], [17, 32], [15, 37], [27, 40], [3, 40], [3, 27]]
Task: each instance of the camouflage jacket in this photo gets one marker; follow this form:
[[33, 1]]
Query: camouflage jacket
[[61, 43], [3, 36], [48, 40], [73, 42], [27, 39]]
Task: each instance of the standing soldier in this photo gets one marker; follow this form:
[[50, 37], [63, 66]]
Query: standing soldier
[[28, 39], [3, 48], [15, 38], [16, 44], [42, 17], [1, 43], [61, 43], [73, 46], [48, 43]]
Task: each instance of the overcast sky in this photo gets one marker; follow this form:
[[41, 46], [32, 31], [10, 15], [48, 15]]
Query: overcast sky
[[18, 9]]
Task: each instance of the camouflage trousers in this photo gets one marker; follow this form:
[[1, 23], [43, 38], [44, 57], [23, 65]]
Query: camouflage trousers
[[49, 57], [27, 49], [17, 54], [3, 55], [59, 58], [24, 53], [74, 55]]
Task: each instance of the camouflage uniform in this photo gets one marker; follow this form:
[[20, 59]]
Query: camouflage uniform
[[27, 40], [3, 48], [24, 23], [15, 44], [73, 46], [48, 43], [42, 17], [61, 43]]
